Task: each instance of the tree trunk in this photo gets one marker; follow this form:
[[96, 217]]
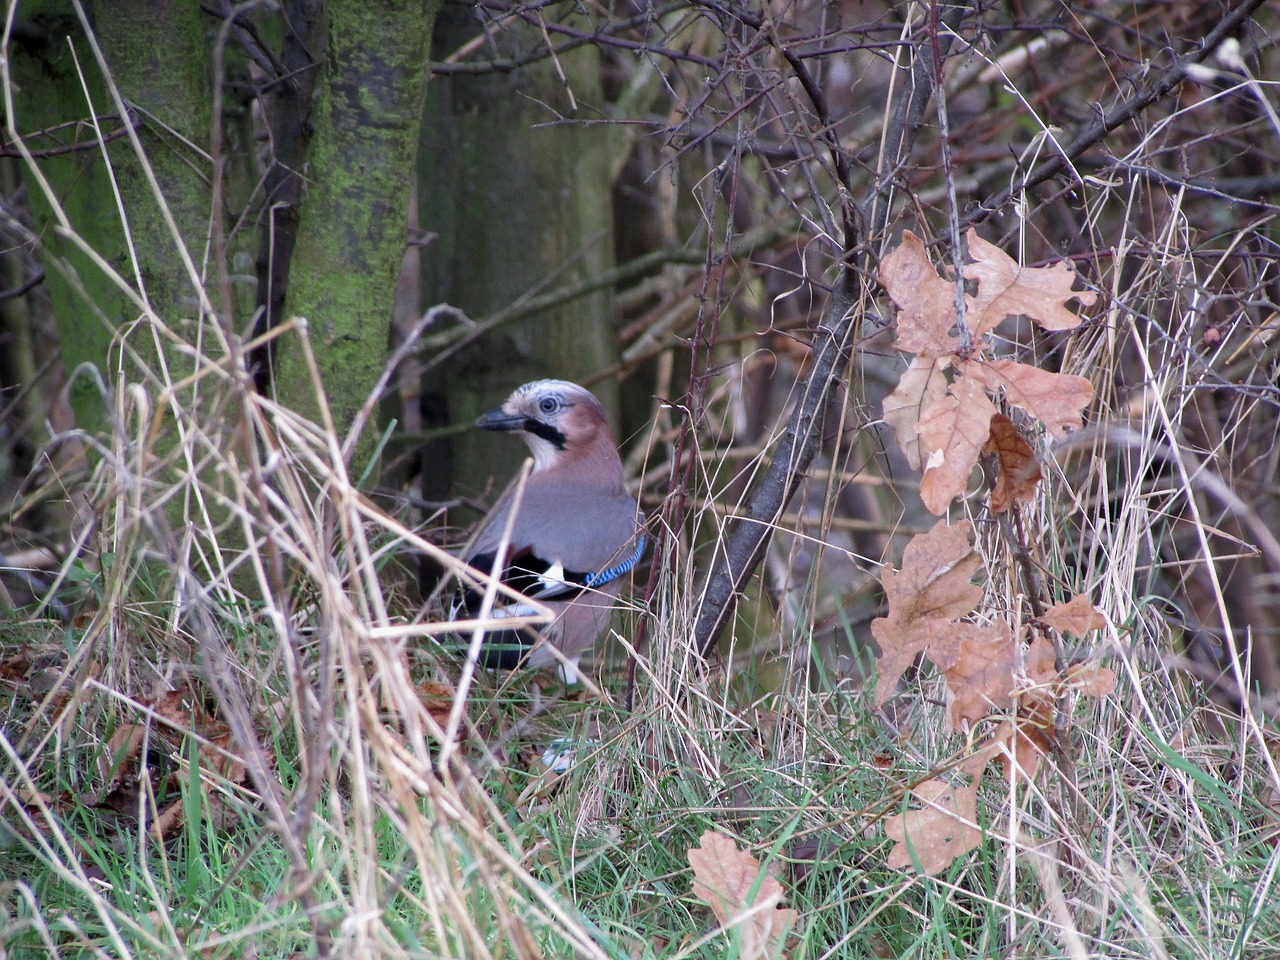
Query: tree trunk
[[512, 204], [351, 235], [158, 59]]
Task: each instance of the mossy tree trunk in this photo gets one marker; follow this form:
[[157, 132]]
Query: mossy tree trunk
[[159, 59], [157, 56], [351, 235], [514, 203]]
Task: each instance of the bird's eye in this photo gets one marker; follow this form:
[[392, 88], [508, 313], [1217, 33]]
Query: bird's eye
[[548, 405]]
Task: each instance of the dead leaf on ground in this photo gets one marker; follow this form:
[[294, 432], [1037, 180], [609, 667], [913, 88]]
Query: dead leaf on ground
[[729, 881], [1018, 469], [1077, 616], [132, 785], [942, 829]]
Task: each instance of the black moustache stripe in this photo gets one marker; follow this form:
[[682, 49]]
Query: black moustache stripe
[[546, 432]]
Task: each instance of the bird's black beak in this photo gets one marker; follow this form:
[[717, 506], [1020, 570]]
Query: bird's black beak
[[499, 420]]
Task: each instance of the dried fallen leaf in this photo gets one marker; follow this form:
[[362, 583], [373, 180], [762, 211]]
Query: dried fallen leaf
[[1019, 471], [923, 385], [1091, 679], [952, 427], [438, 699], [1055, 399], [944, 828], [981, 679], [1028, 736], [1077, 616], [730, 882], [932, 587]]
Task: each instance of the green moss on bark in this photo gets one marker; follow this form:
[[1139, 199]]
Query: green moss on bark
[[351, 237]]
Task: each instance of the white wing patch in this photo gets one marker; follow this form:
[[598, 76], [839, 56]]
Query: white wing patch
[[552, 580]]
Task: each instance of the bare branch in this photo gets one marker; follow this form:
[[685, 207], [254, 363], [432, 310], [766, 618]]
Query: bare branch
[[746, 543], [1156, 87]]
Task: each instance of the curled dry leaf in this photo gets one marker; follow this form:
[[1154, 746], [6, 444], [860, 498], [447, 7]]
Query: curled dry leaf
[[1077, 616], [926, 302], [729, 881], [1019, 470]]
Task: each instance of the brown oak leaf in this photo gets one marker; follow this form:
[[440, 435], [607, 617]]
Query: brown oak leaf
[[1005, 287], [1077, 616], [926, 302], [952, 433], [926, 596], [729, 881], [981, 678], [1091, 679], [942, 829], [923, 385], [1019, 470], [1055, 399]]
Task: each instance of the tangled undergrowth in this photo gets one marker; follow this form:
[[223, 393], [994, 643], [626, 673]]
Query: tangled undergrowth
[[1046, 724]]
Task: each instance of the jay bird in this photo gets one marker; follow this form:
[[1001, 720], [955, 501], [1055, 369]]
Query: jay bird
[[576, 531]]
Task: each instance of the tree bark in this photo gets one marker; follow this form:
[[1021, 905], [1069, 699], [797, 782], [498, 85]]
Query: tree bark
[[301, 54], [159, 62], [351, 234]]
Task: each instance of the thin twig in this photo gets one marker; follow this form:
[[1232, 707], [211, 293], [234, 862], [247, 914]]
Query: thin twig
[[1156, 88], [745, 544]]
